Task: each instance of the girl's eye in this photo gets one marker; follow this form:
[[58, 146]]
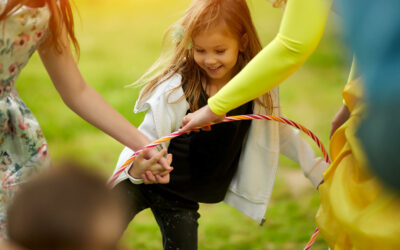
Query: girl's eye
[[200, 50], [220, 51]]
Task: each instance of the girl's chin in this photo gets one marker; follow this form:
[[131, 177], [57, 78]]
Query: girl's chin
[[215, 78], [216, 75]]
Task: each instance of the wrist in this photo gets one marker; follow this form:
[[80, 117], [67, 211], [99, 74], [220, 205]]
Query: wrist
[[132, 176], [133, 173], [212, 107]]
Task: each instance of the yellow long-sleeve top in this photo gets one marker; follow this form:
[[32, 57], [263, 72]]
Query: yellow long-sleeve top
[[301, 30]]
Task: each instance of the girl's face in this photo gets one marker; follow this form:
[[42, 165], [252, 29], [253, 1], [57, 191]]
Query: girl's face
[[216, 51]]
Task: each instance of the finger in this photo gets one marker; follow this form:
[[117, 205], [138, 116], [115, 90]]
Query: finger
[[148, 153], [163, 179], [165, 164], [187, 118], [150, 177], [159, 157], [140, 156], [166, 172], [189, 128], [186, 127], [169, 159], [145, 179], [184, 121], [156, 158], [156, 168]]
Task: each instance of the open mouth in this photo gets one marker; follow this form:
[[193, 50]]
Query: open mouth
[[214, 69]]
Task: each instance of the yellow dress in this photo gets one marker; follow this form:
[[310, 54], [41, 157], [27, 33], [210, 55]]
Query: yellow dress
[[356, 211]]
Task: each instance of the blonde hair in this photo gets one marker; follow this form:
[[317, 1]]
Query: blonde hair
[[201, 15]]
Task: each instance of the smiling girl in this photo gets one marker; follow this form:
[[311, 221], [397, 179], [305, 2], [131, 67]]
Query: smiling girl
[[235, 162]]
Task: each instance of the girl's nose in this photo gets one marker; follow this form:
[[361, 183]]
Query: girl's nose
[[210, 60]]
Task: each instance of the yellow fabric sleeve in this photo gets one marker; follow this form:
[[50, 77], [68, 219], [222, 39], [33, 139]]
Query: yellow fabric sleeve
[[300, 31], [352, 75]]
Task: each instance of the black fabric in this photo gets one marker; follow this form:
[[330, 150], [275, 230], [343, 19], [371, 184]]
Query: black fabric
[[205, 162], [176, 217], [204, 165]]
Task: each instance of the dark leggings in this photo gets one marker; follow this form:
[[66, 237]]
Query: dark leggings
[[176, 216]]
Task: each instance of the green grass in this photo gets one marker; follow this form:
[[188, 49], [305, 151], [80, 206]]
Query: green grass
[[119, 40]]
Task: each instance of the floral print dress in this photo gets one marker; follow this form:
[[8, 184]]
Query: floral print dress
[[23, 148]]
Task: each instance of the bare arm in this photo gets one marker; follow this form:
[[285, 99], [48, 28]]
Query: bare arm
[[302, 26], [84, 100]]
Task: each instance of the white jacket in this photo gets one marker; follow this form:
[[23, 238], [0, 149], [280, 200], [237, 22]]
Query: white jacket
[[251, 187]]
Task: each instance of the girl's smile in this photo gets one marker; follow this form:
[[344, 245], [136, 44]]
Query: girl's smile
[[214, 69], [216, 51]]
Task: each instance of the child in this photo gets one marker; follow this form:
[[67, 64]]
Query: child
[[66, 208], [235, 162]]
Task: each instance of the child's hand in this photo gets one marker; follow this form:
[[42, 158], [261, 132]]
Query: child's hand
[[149, 161], [163, 178], [198, 118], [157, 168]]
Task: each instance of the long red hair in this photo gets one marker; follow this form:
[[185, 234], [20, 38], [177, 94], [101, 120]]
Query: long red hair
[[61, 16], [201, 15]]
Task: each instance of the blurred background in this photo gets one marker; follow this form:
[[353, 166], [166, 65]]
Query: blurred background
[[119, 40]]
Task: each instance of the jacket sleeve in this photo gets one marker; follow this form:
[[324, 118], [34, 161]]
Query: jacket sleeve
[[148, 129], [301, 29], [163, 115], [295, 148]]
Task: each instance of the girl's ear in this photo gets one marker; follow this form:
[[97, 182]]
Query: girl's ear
[[244, 41]]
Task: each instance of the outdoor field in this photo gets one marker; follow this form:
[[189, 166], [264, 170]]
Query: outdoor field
[[119, 40]]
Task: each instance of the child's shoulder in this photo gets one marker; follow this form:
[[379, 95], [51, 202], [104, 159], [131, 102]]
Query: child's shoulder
[[170, 82], [167, 88]]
